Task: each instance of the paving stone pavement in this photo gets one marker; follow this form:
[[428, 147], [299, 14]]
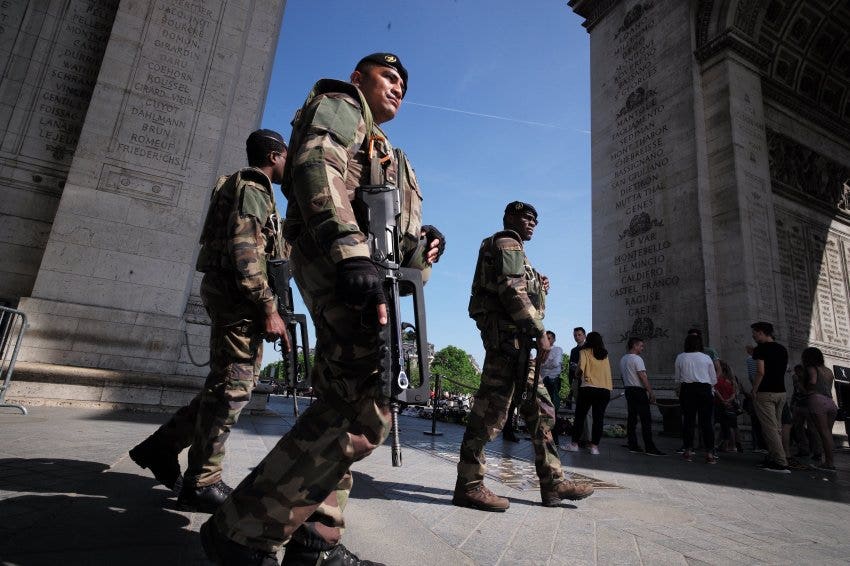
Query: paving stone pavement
[[69, 494]]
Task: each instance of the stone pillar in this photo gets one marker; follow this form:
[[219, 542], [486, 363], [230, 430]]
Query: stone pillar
[[744, 260], [649, 276], [181, 85], [50, 55]]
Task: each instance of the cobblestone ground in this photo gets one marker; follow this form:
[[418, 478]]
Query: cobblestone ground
[[69, 494]]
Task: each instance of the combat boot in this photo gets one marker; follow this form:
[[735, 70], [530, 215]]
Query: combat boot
[[163, 463], [479, 498], [571, 490], [297, 554], [509, 435], [203, 499], [225, 552]]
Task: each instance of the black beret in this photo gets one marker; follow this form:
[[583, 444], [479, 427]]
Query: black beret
[[517, 207], [265, 139], [387, 60]]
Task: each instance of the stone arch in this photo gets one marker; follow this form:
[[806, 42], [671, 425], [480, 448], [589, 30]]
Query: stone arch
[[800, 50], [761, 124]]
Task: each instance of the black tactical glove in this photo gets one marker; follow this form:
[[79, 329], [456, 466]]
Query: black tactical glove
[[358, 282], [431, 234]]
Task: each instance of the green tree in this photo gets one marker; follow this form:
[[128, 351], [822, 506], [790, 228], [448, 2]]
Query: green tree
[[565, 376], [454, 364], [279, 370]]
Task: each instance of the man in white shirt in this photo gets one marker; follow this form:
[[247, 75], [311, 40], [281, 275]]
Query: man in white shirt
[[639, 396], [551, 372]]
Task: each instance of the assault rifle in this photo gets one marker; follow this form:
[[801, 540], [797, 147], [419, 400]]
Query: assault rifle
[[526, 344], [380, 208], [279, 280]]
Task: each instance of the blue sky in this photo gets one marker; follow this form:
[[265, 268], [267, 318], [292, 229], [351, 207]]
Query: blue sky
[[498, 109]]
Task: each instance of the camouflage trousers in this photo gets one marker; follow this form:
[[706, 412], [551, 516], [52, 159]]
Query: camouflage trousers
[[236, 353], [490, 411], [301, 487]]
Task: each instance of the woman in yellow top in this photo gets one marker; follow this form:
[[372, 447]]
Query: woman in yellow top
[[594, 392]]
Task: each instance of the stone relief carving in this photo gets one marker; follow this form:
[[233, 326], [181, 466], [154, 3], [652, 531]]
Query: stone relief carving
[[633, 15], [807, 173], [645, 329], [635, 99], [640, 224]]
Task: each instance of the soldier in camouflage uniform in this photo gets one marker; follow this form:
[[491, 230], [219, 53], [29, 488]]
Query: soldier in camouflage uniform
[[507, 304], [296, 495], [240, 234]]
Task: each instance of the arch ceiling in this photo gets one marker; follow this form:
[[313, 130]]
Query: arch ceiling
[[803, 46]]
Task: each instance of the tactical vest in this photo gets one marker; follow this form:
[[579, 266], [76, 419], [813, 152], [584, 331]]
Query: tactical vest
[[484, 297], [229, 198], [381, 158]]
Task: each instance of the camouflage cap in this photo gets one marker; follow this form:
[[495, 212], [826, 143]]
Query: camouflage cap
[[387, 60], [518, 207]]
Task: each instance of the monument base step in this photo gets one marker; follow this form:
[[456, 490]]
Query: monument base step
[[35, 384]]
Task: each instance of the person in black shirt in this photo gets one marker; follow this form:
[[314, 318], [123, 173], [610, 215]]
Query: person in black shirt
[[769, 393]]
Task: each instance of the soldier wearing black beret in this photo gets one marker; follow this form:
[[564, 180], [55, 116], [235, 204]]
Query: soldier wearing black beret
[[507, 302], [296, 496], [519, 208], [387, 60]]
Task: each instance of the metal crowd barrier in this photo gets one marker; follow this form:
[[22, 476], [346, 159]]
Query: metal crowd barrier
[[13, 324]]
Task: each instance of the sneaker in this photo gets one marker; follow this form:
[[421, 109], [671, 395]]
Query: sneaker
[[654, 452], [777, 468], [687, 455], [571, 490], [634, 449], [297, 554], [203, 499], [760, 450], [825, 468], [479, 498], [571, 447], [222, 550], [795, 464], [162, 463], [710, 459], [594, 450], [680, 450]]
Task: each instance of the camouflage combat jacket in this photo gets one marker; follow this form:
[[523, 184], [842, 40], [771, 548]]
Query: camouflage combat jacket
[[506, 290], [336, 147], [241, 232]]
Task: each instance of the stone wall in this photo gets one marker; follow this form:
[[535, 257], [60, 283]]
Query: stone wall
[[50, 56], [648, 275], [120, 116]]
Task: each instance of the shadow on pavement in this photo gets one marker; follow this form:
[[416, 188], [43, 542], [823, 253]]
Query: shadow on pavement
[[367, 487], [78, 512]]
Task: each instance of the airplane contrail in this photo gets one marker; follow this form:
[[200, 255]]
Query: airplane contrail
[[505, 118]]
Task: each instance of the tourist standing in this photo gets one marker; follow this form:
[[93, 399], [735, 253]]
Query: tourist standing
[[822, 407], [696, 376], [769, 393], [726, 407], [594, 391], [639, 397], [550, 371]]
